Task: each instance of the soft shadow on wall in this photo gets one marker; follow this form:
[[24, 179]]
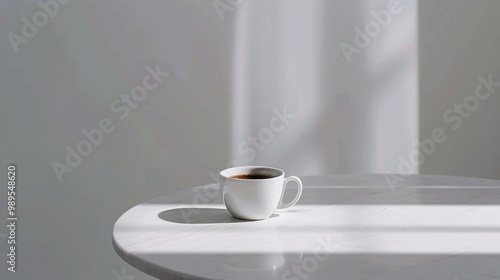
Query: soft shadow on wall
[[348, 112]]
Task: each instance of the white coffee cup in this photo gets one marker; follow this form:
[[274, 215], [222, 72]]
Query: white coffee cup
[[256, 199]]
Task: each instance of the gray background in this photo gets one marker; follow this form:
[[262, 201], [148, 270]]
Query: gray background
[[227, 74]]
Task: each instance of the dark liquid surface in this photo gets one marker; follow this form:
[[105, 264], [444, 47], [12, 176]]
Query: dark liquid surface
[[251, 176]]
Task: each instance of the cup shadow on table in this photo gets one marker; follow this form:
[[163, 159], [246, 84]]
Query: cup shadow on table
[[193, 215]]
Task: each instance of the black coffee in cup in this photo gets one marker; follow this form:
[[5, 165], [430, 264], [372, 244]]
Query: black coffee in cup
[[251, 176]]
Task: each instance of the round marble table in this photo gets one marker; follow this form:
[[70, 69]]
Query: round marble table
[[344, 227]]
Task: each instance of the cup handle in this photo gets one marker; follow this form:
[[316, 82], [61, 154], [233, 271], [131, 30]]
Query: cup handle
[[282, 205]]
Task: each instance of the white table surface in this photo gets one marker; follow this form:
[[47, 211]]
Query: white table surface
[[344, 227]]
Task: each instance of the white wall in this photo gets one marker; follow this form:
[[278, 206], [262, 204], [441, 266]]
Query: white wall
[[354, 113], [64, 80], [460, 41]]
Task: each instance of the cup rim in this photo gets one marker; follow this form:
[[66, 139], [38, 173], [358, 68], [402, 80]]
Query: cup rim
[[282, 173]]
